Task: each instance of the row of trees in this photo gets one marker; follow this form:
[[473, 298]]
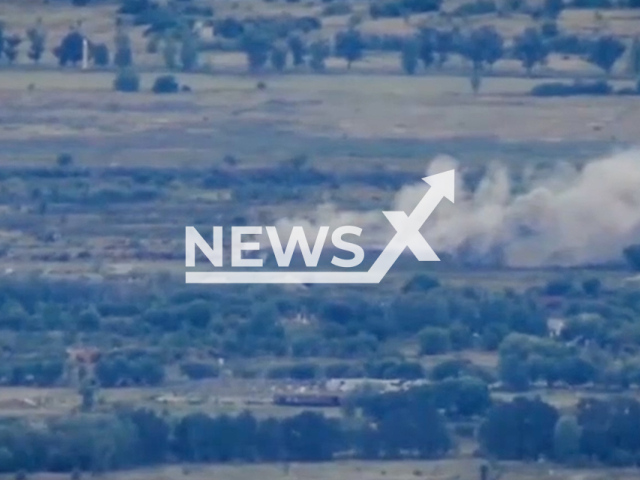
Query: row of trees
[[354, 324], [9, 44], [602, 431], [388, 426], [180, 47], [525, 360], [130, 438]]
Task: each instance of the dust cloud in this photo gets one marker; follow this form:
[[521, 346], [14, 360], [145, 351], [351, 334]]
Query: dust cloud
[[565, 215]]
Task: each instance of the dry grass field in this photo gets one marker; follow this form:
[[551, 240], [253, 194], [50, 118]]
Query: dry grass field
[[342, 115], [459, 469]]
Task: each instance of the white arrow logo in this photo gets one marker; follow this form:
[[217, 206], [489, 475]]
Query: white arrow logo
[[407, 235]]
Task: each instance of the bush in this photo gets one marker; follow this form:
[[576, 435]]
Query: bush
[[549, 29], [559, 89], [434, 340], [422, 6], [398, 8], [228, 28], [64, 160], [197, 370], [420, 283], [592, 4], [165, 84], [627, 91], [127, 80], [298, 371], [558, 287], [339, 8], [479, 7], [391, 9], [632, 255], [100, 53], [569, 44], [134, 7], [343, 370]]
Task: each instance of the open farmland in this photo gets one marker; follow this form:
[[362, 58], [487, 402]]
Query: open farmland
[[124, 121]]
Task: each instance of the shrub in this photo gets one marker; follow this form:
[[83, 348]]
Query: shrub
[[197, 370], [559, 89], [605, 52], [632, 255], [165, 84], [70, 49], [434, 340], [479, 7], [592, 4], [127, 80], [569, 44], [100, 53], [558, 287], [228, 28], [343, 370], [420, 283], [398, 8], [549, 29], [339, 8], [390, 9], [422, 6], [627, 91], [409, 59], [64, 160], [134, 7], [592, 286]]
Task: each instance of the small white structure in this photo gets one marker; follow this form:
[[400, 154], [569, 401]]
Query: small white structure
[[85, 53], [555, 327]]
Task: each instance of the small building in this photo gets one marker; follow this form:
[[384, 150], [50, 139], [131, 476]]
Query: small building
[[555, 326]]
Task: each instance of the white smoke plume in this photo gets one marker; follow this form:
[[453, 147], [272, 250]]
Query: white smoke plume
[[564, 217]]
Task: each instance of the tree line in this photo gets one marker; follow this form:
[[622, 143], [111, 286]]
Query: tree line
[[281, 42], [396, 425]]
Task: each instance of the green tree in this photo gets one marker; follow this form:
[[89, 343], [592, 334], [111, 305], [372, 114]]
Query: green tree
[[445, 42], [514, 372], [37, 37], [434, 340], [100, 54], [409, 56], [633, 66], [88, 396], [519, 430], [70, 49], [279, 54], [170, 52], [566, 438], [530, 49], [127, 80], [553, 8], [123, 56], [319, 51], [256, 44], [350, 46], [189, 49], [484, 45], [476, 80], [11, 44], [605, 52], [298, 49], [2, 39], [632, 252], [427, 46]]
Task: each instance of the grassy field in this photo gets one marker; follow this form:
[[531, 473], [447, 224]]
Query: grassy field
[[371, 119], [334, 117], [459, 469]]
